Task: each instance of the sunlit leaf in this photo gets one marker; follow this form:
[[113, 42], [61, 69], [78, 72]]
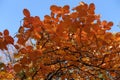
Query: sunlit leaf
[[17, 67]]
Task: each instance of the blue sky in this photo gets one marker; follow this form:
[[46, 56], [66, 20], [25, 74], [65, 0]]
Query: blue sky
[[11, 11]]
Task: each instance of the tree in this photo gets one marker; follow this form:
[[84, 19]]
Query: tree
[[65, 45]]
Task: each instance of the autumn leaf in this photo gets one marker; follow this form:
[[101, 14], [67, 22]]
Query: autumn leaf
[[9, 40], [65, 9], [6, 32], [0, 33], [55, 9], [17, 67], [26, 12], [92, 6]]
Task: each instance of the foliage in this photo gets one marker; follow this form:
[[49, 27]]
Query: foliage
[[65, 45]]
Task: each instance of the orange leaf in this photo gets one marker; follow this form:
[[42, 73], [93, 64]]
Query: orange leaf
[[74, 15], [0, 33], [26, 12], [110, 24], [47, 17], [21, 29], [21, 40], [92, 6], [23, 51], [66, 9], [6, 32], [104, 22], [9, 40], [37, 35], [16, 46], [17, 67], [55, 9], [113, 74], [85, 59], [25, 60]]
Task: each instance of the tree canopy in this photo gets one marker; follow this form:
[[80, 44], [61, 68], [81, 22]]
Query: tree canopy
[[72, 45]]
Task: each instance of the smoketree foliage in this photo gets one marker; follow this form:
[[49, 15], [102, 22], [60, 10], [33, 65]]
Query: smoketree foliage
[[74, 45]]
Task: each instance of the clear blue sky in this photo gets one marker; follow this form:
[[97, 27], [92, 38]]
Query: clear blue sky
[[11, 11]]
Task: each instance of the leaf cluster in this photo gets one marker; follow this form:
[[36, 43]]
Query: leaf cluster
[[65, 45]]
